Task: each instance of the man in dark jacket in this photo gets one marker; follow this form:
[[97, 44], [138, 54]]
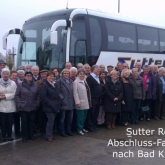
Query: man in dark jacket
[[96, 92], [35, 70]]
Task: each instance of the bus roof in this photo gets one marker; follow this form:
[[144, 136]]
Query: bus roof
[[65, 13], [70, 13]]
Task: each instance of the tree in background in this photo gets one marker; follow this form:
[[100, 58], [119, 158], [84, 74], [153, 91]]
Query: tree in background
[[9, 61]]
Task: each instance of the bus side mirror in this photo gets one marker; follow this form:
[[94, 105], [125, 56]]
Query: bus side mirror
[[4, 42], [54, 38], [54, 33], [8, 32]]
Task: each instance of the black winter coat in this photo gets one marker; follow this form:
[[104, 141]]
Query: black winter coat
[[127, 97], [51, 101], [111, 91]]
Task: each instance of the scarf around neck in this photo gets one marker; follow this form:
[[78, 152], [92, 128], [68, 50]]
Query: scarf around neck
[[145, 78]]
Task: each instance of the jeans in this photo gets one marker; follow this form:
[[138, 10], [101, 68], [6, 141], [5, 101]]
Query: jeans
[[6, 124], [28, 123], [81, 117], [50, 124], [68, 116], [136, 111]]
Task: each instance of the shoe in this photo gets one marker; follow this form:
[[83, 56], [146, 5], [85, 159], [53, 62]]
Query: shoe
[[162, 118], [113, 127], [156, 118], [32, 138], [51, 139], [148, 119], [136, 122], [141, 119], [70, 134], [63, 135], [126, 124], [3, 139], [10, 139], [24, 139], [85, 131], [80, 133], [109, 127]]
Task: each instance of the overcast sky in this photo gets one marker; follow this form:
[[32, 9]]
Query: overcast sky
[[13, 13]]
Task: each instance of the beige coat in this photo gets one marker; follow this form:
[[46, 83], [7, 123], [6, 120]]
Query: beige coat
[[8, 105], [80, 94]]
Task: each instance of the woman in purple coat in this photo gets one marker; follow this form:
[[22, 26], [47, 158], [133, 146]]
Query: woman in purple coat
[[150, 89], [27, 102]]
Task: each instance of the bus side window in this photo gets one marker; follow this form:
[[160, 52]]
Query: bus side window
[[147, 39], [120, 36], [162, 40]]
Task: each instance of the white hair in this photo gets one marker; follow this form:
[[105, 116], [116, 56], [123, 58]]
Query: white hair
[[79, 65], [5, 70], [161, 69], [35, 66], [73, 68], [20, 71]]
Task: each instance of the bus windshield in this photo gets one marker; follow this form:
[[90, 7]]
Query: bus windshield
[[34, 46]]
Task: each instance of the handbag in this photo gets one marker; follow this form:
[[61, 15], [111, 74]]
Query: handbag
[[145, 108]]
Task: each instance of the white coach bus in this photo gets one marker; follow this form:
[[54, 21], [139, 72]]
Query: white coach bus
[[85, 36]]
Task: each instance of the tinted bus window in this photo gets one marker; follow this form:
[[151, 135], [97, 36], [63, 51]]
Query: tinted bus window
[[162, 40], [147, 39], [95, 35], [121, 36]]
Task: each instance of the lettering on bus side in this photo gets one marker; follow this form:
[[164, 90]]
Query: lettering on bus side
[[144, 61]]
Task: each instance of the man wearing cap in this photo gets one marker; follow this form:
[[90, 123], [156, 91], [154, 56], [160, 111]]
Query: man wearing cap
[[109, 69], [2, 65]]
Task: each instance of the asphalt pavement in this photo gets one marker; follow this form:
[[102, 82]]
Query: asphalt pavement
[[91, 149]]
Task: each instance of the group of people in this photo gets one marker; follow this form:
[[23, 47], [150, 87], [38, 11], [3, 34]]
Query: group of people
[[78, 98]]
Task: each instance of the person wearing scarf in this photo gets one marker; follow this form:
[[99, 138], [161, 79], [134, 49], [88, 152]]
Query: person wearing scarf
[[7, 104], [150, 89], [51, 103]]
